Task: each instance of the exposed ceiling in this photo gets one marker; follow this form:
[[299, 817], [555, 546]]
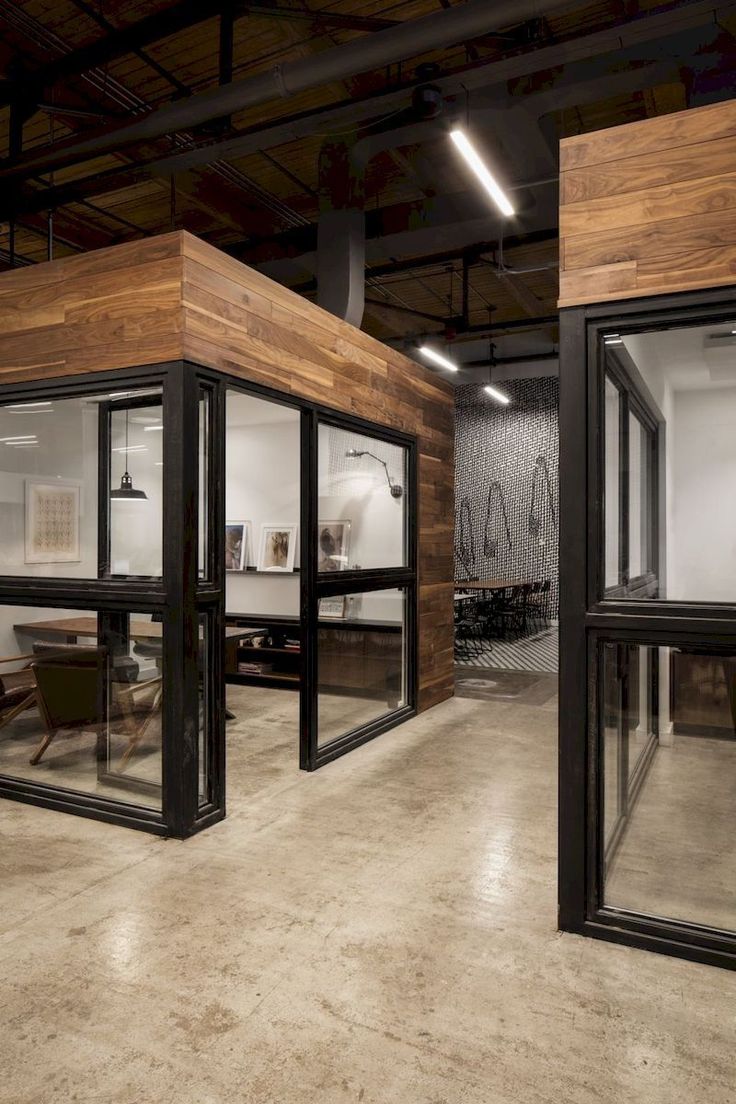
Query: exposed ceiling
[[132, 117]]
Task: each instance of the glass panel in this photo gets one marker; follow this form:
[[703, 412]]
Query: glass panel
[[361, 659], [690, 374], [136, 488], [81, 697], [203, 485], [262, 503], [49, 473], [636, 501], [205, 710], [611, 495], [362, 501], [675, 854]]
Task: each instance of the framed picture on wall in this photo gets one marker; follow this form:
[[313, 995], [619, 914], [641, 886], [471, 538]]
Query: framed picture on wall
[[333, 608], [52, 522], [237, 545], [278, 547], [333, 545]]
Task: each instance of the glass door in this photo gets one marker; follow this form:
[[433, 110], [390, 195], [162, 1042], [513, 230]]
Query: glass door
[[359, 593]]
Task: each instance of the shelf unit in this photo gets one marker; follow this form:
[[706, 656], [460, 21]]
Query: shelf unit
[[285, 675]]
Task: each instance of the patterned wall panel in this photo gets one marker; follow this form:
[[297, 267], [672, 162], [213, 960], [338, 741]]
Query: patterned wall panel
[[506, 483]]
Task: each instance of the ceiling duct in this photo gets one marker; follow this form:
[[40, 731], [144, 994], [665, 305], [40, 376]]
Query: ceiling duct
[[414, 37]]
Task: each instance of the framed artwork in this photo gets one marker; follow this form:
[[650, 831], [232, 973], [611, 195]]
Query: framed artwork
[[333, 608], [52, 522], [278, 547], [237, 545], [333, 539]]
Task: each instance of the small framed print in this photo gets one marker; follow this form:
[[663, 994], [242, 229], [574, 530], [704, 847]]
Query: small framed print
[[278, 547], [333, 608], [52, 522], [333, 545], [237, 545]]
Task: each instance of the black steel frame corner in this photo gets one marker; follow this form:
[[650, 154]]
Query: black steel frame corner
[[587, 618]]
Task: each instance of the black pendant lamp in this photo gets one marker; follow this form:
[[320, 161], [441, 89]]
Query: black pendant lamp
[[126, 492]]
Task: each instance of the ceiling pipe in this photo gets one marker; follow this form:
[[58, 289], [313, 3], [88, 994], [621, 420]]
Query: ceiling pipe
[[446, 27]]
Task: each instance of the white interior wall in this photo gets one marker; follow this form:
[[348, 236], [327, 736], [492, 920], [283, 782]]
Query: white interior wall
[[262, 486], [66, 450], [702, 528]]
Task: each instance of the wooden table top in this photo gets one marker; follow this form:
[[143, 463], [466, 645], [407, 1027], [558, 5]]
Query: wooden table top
[[87, 626], [491, 584]]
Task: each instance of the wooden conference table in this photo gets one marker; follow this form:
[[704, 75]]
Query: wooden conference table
[[70, 629]]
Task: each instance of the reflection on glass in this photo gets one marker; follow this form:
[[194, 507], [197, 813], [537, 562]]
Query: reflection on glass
[[81, 697], [204, 666], [675, 853], [362, 501], [611, 495], [136, 487], [203, 487], [361, 657], [686, 377]]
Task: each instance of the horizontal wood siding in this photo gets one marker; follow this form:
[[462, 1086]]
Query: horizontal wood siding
[[175, 297], [649, 208]]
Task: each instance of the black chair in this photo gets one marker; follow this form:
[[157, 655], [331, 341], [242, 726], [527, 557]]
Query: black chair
[[468, 630], [538, 602]]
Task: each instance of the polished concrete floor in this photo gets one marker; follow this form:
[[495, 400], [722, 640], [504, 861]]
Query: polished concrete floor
[[383, 931]]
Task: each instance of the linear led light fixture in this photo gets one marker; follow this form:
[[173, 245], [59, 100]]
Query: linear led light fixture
[[12, 440], [29, 406], [613, 339], [481, 170], [437, 358], [132, 448], [152, 429], [496, 394]]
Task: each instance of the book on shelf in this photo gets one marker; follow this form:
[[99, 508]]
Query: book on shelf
[[255, 668]]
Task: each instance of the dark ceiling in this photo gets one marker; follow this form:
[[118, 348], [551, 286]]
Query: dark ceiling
[[131, 118]]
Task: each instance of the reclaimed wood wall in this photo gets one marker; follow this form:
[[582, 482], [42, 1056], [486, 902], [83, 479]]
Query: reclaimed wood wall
[[175, 297], [650, 207]]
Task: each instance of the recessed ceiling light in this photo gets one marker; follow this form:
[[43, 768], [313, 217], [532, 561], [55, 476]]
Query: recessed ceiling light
[[481, 170], [437, 358]]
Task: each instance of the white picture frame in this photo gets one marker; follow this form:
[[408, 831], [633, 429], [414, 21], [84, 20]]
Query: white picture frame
[[52, 521], [332, 608], [277, 549], [237, 545], [333, 545]]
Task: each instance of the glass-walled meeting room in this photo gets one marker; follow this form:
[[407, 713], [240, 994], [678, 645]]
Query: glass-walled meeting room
[[157, 598], [646, 849]]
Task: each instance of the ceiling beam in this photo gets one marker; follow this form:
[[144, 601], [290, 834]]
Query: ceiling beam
[[409, 39], [163, 24], [671, 18]]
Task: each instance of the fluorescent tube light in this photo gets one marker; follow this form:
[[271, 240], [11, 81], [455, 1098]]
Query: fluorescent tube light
[[28, 406], [476, 163], [437, 358], [11, 440], [152, 429], [496, 394]]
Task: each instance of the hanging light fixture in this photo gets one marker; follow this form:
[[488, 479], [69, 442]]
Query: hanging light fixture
[[395, 488], [126, 492], [489, 389]]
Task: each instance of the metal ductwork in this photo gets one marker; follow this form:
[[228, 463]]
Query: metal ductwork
[[341, 233], [415, 37]]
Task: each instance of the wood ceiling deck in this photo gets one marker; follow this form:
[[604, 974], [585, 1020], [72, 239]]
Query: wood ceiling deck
[[275, 189]]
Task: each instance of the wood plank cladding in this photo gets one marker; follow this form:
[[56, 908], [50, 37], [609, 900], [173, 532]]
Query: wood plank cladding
[[649, 208], [176, 298]]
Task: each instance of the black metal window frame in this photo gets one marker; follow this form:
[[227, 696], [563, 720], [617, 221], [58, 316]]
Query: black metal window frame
[[633, 400], [587, 620], [172, 597], [313, 585]]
